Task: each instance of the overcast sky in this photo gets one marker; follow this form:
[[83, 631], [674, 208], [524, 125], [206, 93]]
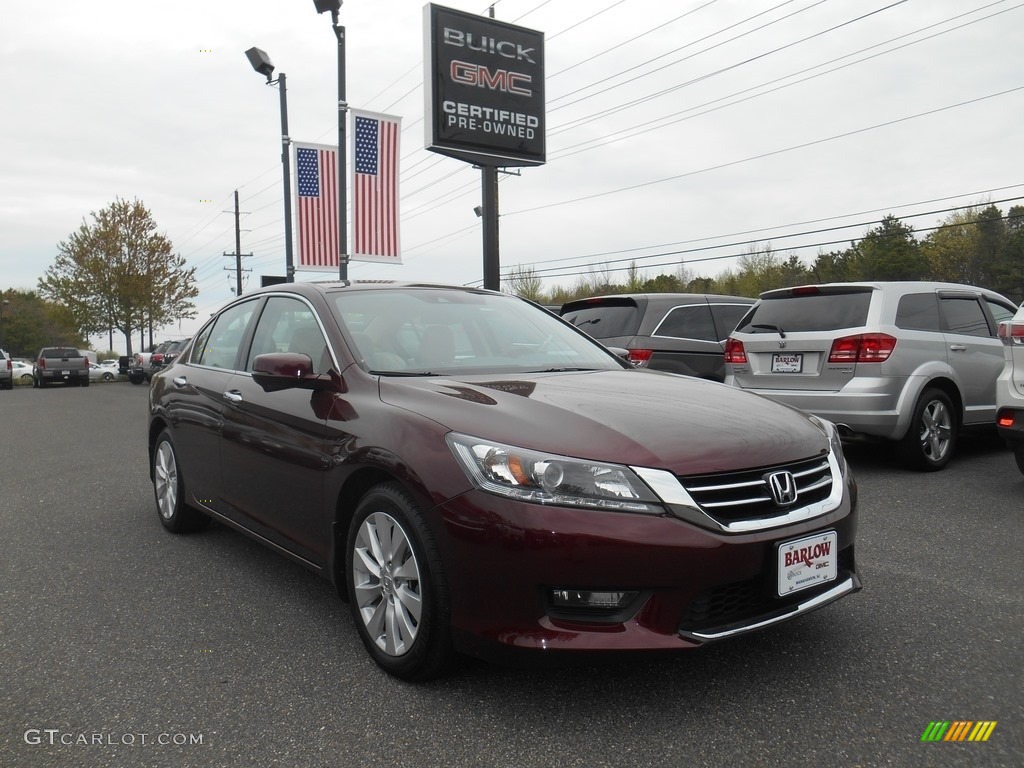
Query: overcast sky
[[673, 126]]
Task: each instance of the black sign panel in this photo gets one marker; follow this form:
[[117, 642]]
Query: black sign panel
[[484, 84]]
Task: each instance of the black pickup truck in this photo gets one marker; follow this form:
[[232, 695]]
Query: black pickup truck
[[60, 364]]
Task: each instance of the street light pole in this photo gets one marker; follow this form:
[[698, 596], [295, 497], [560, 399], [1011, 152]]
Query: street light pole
[[261, 62], [334, 6]]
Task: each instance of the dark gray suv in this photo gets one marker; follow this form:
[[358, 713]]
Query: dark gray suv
[[676, 332]]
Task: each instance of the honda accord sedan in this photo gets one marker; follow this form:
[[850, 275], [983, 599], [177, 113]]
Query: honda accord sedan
[[478, 477]]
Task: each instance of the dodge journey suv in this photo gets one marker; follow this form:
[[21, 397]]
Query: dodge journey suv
[[911, 362]]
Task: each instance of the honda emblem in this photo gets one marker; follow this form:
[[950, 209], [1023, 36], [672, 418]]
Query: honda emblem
[[783, 488]]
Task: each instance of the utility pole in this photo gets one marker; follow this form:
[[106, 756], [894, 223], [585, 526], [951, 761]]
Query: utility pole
[[238, 250]]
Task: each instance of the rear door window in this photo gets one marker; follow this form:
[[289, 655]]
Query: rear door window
[[812, 312], [689, 322]]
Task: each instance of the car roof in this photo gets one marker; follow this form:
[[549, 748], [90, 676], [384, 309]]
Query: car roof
[[888, 286]]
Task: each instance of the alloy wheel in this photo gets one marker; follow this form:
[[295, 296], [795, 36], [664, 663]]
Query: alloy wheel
[[936, 430], [165, 480], [386, 577]]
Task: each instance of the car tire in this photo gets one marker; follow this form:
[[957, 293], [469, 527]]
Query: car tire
[[136, 379], [84, 383], [169, 490], [107, 376], [1019, 456], [27, 377], [931, 439], [401, 609], [9, 384]]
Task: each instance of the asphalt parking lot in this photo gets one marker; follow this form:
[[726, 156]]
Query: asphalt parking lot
[[123, 645]]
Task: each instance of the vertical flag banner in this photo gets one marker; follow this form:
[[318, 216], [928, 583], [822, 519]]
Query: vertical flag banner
[[375, 187], [316, 187]]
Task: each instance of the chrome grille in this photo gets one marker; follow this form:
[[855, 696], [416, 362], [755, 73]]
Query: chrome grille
[[729, 497]]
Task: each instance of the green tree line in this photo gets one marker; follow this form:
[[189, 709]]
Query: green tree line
[[977, 246]]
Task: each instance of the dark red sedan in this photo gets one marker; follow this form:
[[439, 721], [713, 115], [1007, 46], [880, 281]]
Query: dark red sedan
[[475, 475]]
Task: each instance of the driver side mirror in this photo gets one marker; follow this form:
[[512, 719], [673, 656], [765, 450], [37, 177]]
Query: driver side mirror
[[277, 371]]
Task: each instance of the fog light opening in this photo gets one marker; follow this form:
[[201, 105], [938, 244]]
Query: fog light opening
[[603, 606]]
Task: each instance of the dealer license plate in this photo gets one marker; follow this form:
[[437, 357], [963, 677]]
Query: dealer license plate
[[790, 363], [807, 562]]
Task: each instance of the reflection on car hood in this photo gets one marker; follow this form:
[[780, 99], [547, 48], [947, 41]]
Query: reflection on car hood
[[689, 426]]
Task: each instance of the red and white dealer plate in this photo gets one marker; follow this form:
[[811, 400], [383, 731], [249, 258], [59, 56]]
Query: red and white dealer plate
[[808, 562]]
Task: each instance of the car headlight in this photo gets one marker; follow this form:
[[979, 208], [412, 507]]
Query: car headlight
[[834, 443], [544, 478]]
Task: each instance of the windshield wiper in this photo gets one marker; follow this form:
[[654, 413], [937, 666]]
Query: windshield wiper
[[767, 327], [407, 373]]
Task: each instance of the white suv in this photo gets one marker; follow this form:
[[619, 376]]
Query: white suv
[[1010, 386], [911, 362], [6, 371]]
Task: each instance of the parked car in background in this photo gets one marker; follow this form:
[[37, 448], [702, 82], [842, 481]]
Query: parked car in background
[[1010, 386], [476, 475], [60, 364], [21, 371], [677, 332], [911, 362], [6, 371], [138, 372], [164, 355], [174, 349], [102, 372]]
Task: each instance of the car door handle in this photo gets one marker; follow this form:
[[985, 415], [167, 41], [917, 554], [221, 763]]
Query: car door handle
[[958, 347], [180, 381], [234, 396]]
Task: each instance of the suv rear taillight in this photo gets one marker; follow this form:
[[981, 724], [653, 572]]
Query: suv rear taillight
[[1011, 333], [734, 352], [41, 362], [862, 348], [10, 365], [640, 357]]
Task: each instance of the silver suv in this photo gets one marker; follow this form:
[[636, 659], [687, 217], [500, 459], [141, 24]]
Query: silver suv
[[911, 362]]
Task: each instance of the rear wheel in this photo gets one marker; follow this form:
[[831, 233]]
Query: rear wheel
[[1019, 456], [169, 489], [397, 586], [931, 439]]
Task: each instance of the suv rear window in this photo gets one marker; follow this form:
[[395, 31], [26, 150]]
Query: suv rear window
[[812, 312], [619, 317]]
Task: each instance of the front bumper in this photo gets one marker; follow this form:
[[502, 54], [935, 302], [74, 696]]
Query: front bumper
[[693, 585]]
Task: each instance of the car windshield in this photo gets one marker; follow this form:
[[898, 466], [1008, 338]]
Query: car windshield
[[418, 331]]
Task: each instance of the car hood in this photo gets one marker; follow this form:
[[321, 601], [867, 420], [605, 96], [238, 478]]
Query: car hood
[[637, 417]]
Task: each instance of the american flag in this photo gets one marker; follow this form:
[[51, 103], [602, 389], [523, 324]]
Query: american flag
[[375, 187], [317, 183]]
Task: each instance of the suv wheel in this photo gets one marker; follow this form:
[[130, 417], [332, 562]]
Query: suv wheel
[[931, 439], [1019, 456]]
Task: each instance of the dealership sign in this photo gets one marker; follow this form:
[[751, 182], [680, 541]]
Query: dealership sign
[[484, 85]]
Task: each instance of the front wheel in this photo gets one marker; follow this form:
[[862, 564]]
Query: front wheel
[[397, 586], [931, 439], [169, 489]]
